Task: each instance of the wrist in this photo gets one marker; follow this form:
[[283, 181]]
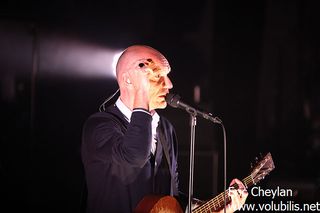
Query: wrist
[[141, 100]]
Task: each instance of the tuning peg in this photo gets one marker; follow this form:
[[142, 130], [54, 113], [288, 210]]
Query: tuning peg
[[257, 159], [261, 156], [251, 165]]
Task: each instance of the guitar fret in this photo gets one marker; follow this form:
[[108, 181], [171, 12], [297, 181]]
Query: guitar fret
[[218, 202]]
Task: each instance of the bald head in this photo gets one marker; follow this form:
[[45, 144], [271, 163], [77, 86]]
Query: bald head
[[131, 57], [142, 75]]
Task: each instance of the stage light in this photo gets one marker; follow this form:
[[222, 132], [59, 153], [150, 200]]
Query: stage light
[[76, 59], [114, 62], [48, 54]]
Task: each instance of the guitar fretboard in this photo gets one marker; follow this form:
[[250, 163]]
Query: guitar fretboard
[[217, 202]]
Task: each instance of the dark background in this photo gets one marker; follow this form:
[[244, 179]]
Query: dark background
[[256, 63]]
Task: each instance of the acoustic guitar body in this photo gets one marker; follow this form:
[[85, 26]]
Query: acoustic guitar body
[[158, 204]]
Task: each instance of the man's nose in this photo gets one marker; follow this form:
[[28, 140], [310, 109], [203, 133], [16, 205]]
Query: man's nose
[[167, 83]]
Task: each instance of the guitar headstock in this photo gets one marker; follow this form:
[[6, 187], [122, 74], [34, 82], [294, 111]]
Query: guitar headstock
[[263, 166]]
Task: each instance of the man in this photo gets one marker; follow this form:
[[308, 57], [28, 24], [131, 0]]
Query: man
[[129, 151]]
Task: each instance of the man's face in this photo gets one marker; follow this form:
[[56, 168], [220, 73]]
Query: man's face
[[160, 84]]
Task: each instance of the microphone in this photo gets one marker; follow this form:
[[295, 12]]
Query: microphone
[[174, 101]]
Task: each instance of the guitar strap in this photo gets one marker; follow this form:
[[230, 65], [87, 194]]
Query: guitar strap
[[173, 190]]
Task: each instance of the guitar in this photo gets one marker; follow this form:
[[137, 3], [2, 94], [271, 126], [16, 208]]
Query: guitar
[[168, 204]]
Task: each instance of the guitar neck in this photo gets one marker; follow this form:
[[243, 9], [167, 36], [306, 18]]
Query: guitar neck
[[217, 202]]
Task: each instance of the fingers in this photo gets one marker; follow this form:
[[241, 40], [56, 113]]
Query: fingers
[[238, 196], [144, 65], [138, 75], [239, 183], [235, 203]]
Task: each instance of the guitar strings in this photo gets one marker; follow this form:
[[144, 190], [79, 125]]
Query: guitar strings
[[217, 201], [213, 203]]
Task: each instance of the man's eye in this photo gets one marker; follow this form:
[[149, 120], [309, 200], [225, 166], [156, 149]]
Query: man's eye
[[157, 76]]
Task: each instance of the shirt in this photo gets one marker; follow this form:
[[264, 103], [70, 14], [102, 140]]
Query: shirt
[[154, 124]]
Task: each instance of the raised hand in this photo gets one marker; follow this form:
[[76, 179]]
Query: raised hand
[[138, 78]]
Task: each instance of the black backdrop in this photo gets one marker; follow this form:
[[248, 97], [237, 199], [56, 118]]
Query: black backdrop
[[256, 62]]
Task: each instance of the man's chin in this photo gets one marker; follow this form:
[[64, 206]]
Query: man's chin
[[161, 105]]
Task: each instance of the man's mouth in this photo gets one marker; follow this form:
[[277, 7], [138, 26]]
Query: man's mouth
[[163, 96]]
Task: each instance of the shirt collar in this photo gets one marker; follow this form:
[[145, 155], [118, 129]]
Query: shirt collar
[[127, 112], [124, 109]]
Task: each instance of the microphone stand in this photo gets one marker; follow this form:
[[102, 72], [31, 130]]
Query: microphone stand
[[174, 101], [193, 116], [191, 161]]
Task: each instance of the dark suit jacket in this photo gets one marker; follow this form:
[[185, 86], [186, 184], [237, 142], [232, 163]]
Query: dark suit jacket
[[119, 168]]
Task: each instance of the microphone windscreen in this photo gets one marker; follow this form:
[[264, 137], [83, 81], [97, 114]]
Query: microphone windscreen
[[172, 100]]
